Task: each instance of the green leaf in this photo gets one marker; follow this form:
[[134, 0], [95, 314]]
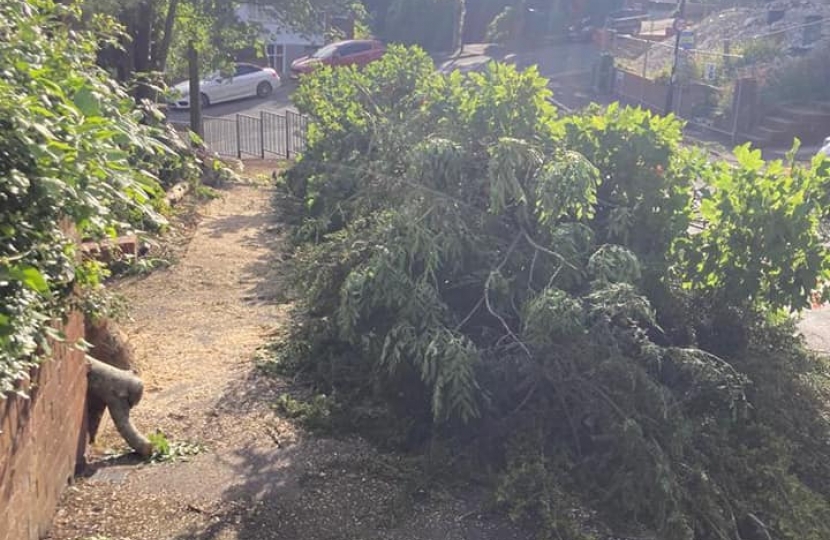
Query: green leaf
[[87, 102], [31, 277]]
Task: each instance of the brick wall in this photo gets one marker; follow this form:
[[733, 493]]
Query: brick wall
[[41, 441]]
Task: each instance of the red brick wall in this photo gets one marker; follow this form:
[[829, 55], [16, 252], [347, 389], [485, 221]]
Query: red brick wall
[[41, 440]]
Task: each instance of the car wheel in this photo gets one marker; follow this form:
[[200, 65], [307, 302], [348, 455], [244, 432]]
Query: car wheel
[[204, 100], [264, 89]]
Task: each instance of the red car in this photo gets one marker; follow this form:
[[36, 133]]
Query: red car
[[357, 52]]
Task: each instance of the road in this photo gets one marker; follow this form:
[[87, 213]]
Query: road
[[568, 66], [251, 127], [256, 127], [276, 103], [553, 61]]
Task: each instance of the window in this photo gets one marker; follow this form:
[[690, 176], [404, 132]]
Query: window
[[245, 69], [327, 51], [354, 48], [362, 47]]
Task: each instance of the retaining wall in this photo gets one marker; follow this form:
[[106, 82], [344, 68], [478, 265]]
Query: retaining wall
[[42, 439]]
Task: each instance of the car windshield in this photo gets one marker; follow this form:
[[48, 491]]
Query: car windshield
[[325, 52]]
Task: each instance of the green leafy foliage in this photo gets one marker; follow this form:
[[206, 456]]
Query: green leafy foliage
[[216, 33], [526, 289], [165, 450], [77, 159], [153, 44], [314, 414], [759, 51], [762, 248], [799, 80], [644, 186]]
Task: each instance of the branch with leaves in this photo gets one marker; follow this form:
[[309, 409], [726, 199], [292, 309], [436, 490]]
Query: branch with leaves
[[495, 275]]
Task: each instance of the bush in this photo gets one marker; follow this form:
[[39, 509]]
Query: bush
[[77, 160], [759, 51], [525, 289], [800, 80]]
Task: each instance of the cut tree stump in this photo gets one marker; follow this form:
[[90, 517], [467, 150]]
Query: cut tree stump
[[120, 391]]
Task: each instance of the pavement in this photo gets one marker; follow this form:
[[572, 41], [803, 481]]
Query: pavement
[[815, 327]]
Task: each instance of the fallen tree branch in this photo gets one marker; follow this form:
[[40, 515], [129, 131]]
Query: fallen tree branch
[[470, 314], [487, 303], [543, 249]]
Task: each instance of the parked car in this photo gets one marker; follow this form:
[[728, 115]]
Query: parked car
[[247, 80], [826, 148], [355, 52]]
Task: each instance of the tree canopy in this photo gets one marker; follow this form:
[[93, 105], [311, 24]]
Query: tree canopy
[[156, 33], [529, 292]]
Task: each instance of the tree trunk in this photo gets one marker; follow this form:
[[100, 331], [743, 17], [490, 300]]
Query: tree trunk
[[142, 40], [196, 125], [163, 50], [458, 26], [123, 58]]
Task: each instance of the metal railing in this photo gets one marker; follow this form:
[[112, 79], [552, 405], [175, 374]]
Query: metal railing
[[263, 136]]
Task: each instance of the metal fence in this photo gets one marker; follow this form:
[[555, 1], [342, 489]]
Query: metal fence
[[723, 66], [263, 136]]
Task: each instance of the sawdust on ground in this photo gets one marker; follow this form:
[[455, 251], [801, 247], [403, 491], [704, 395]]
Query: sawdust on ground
[[196, 328]]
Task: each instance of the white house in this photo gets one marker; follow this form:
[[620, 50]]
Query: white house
[[282, 45]]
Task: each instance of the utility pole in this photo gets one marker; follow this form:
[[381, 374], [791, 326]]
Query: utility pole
[[678, 29], [195, 94]]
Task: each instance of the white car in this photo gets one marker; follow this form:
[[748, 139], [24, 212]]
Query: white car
[[248, 80], [826, 148]]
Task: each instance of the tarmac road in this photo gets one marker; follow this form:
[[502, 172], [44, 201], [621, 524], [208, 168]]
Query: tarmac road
[[552, 62], [277, 103]]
